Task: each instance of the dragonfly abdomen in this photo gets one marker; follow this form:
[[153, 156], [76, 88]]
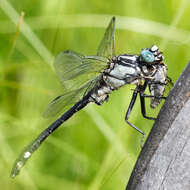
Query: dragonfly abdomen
[[100, 94]]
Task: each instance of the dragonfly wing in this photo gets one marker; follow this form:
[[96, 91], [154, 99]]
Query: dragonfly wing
[[74, 69], [78, 75], [71, 97], [60, 102], [107, 45]]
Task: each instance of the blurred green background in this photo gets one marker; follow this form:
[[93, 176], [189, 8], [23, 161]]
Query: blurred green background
[[95, 149]]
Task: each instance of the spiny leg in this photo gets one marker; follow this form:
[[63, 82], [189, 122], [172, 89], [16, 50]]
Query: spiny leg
[[151, 96], [130, 109], [142, 100], [143, 108], [142, 88]]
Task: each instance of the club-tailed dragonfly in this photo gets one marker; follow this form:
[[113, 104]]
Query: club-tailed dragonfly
[[91, 79]]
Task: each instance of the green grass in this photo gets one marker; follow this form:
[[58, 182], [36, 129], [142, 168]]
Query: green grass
[[95, 149]]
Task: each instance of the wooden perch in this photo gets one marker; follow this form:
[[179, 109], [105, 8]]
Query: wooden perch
[[164, 162]]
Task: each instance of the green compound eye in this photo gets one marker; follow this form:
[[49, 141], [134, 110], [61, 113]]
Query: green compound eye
[[147, 56]]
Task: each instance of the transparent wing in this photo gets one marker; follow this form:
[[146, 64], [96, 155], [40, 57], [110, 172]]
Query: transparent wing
[[107, 45], [74, 69], [71, 97], [78, 74]]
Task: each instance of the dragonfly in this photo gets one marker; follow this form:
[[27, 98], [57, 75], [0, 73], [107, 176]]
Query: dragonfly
[[91, 79]]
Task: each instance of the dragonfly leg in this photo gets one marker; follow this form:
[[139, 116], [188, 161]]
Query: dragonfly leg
[[142, 88], [134, 97], [151, 96], [143, 108]]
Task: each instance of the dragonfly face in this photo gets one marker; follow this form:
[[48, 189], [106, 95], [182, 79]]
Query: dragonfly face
[[88, 79], [151, 56]]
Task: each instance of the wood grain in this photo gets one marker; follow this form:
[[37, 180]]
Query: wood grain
[[164, 162]]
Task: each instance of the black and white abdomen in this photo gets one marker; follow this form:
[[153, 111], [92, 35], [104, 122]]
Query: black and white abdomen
[[100, 93]]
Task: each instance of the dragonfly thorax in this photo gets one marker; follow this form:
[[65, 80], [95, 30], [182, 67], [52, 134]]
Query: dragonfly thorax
[[123, 69], [130, 69]]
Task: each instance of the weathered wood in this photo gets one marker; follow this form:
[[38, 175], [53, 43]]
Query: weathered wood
[[164, 162]]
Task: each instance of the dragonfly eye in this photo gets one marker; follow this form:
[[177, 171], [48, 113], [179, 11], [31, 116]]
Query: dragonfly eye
[[147, 56]]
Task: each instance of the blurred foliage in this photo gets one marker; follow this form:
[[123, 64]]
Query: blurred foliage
[[96, 149]]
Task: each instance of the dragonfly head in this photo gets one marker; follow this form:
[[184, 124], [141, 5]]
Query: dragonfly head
[[151, 55]]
